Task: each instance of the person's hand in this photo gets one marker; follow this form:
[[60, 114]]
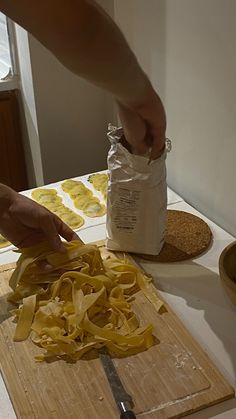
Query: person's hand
[[25, 223], [144, 124]]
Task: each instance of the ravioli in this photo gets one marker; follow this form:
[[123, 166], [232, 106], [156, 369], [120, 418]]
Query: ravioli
[[49, 200], [39, 192], [72, 219], [81, 201], [75, 193], [100, 182], [68, 184], [84, 199], [94, 209], [53, 202]]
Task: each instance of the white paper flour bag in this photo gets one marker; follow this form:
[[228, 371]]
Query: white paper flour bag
[[137, 199]]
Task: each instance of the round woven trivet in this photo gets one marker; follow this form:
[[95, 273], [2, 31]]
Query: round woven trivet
[[187, 236]]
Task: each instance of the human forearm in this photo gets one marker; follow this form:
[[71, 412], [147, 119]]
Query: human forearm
[[86, 40], [6, 196]]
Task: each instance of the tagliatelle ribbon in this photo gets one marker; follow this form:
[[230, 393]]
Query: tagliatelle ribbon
[[82, 302]]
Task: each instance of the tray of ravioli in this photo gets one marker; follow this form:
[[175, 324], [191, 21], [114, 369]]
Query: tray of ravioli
[[78, 202]]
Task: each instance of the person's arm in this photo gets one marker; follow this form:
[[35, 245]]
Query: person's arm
[[25, 223], [86, 40]]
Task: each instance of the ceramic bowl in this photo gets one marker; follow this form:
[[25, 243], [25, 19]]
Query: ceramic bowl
[[227, 269]]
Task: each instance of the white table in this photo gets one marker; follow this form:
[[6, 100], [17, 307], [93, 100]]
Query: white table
[[193, 290]]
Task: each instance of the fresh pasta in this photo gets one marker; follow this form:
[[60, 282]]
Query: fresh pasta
[[81, 303], [83, 198], [52, 201], [100, 182], [4, 242]]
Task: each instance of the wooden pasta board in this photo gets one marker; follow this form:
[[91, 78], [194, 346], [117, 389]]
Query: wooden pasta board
[[173, 378]]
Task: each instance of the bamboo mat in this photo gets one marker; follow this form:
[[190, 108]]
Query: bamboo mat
[[173, 378]]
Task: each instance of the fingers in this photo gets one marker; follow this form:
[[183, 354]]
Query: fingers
[[155, 139], [134, 129], [156, 122], [144, 127], [65, 231], [53, 227], [157, 149], [48, 227]]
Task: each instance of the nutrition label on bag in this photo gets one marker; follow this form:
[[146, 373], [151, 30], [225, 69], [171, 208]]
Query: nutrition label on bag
[[125, 216]]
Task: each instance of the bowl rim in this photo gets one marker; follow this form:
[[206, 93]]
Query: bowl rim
[[222, 255]]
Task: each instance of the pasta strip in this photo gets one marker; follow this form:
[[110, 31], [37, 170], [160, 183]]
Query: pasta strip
[[25, 319]]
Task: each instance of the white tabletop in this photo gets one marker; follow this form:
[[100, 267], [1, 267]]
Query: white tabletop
[[193, 290]]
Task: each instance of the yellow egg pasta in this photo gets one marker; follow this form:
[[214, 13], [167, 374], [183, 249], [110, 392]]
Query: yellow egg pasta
[[82, 303], [84, 199], [69, 184], [4, 242], [94, 209], [50, 199], [72, 219], [100, 182], [39, 192]]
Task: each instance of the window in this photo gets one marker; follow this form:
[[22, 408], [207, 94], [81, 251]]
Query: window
[[5, 53]]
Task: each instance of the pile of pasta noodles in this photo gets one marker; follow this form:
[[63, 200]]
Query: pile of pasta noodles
[[80, 302]]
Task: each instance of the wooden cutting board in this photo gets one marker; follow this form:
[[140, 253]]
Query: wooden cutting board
[[173, 378]]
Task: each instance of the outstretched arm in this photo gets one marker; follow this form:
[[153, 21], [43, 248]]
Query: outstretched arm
[[87, 41]]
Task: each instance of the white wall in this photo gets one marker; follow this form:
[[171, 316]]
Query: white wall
[[72, 116], [28, 113], [188, 49]]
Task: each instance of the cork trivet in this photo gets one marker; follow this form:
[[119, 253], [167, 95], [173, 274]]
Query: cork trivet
[[187, 236]]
